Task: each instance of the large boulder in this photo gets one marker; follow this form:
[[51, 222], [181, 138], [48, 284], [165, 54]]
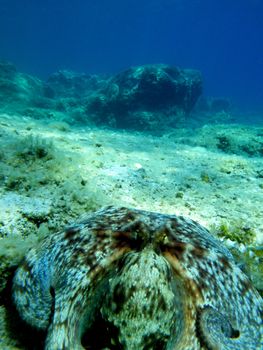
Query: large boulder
[[155, 87], [145, 96]]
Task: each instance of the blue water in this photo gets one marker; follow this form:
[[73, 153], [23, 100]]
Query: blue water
[[221, 38]]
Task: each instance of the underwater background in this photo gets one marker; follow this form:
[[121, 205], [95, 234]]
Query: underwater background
[[221, 38], [155, 105]]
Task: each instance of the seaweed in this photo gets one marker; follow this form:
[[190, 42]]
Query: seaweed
[[237, 232], [205, 177], [241, 240], [35, 147]]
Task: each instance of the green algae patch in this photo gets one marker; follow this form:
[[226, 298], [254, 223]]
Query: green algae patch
[[236, 231], [32, 147], [240, 240]]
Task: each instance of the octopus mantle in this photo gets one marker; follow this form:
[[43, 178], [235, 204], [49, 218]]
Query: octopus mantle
[[131, 279]]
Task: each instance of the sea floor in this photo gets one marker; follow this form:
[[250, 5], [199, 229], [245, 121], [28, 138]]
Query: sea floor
[[52, 173]]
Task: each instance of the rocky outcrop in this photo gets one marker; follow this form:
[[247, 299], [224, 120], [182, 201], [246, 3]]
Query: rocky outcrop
[[147, 95], [143, 97], [18, 90], [66, 84]]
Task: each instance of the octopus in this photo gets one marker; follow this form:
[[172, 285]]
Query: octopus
[[131, 279]]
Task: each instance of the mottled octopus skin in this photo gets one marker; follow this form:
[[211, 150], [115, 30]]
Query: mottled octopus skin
[[162, 281]]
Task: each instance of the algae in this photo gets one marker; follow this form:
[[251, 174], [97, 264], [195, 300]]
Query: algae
[[241, 242], [236, 231]]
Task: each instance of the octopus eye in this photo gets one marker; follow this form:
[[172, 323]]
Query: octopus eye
[[214, 328]]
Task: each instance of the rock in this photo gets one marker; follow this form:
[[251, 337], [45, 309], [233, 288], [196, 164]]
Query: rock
[[150, 97], [156, 87], [147, 94], [19, 90], [63, 84]]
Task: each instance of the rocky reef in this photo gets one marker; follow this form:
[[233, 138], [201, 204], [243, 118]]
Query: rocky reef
[[144, 97], [18, 91]]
